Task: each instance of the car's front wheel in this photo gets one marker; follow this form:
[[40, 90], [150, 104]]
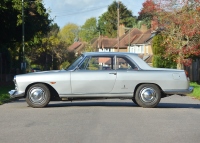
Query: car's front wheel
[[133, 99], [38, 95], [148, 95]]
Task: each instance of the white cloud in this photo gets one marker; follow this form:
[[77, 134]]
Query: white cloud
[[78, 11]]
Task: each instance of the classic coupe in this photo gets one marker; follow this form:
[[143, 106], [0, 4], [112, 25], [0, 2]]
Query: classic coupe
[[102, 75]]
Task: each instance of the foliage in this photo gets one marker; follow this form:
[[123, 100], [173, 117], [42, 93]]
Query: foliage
[[88, 30], [36, 23], [158, 53], [64, 65], [47, 51], [36, 19], [196, 92], [89, 48], [5, 59], [147, 12], [50, 53], [181, 25], [4, 93], [107, 23], [69, 33]]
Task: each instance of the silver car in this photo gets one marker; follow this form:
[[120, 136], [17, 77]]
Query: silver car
[[100, 75]]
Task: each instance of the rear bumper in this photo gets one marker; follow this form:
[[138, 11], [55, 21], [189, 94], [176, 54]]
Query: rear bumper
[[183, 91], [16, 94]]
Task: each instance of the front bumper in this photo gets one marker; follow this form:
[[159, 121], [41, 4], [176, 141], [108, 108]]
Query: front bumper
[[16, 94], [184, 91]]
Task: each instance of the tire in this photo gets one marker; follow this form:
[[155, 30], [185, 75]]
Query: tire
[[148, 95], [38, 96], [133, 99]]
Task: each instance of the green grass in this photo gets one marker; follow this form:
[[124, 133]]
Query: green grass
[[196, 92], [4, 96]]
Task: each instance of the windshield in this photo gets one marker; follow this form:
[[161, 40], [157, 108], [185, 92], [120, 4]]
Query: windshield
[[75, 63]]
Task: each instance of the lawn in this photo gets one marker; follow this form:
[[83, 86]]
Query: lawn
[[196, 92], [4, 96]]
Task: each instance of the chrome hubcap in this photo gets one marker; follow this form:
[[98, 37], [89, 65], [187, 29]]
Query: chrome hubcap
[[37, 95], [148, 95]]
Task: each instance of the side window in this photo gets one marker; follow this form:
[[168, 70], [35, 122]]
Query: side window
[[97, 63], [123, 63], [106, 63], [84, 64], [93, 64]]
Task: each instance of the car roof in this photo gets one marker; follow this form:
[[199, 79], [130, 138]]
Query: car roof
[[108, 53], [134, 56]]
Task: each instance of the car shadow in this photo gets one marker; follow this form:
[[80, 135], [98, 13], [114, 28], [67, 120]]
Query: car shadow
[[106, 104], [178, 105], [120, 104]]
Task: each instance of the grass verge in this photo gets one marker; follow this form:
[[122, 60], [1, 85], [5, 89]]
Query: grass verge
[[4, 96], [196, 92]]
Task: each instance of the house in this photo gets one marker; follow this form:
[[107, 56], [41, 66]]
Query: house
[[77, 47], [104, 44], [132, 40]]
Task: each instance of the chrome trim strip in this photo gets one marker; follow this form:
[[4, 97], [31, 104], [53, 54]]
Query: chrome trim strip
[[99, 95], [183, 91]]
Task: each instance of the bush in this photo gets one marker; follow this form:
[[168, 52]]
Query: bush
[[196, 92], [159, 60], [4, 96], [64, 65]]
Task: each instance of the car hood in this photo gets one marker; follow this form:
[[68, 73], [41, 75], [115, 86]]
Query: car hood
[[48, 72], [42, 74]]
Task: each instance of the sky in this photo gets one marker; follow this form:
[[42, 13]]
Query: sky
[[78, 11]]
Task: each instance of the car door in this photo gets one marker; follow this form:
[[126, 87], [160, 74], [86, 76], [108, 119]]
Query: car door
[[95, 75], [127, 75]]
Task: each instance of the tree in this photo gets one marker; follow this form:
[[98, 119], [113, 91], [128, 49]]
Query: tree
[[159, 60], [107, 23], [36, 21], [89, 30], [147, 12], [49, 51], [181, 26], [69, 33]]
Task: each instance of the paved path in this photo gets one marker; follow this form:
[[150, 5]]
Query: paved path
[[175, 120]]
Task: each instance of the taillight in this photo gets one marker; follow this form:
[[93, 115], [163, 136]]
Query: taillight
[[186, 73]]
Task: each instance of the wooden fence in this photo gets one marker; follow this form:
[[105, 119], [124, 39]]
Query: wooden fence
[[194, 71]]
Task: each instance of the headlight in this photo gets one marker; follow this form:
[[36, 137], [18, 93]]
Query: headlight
[[15, 82], [14, 79]]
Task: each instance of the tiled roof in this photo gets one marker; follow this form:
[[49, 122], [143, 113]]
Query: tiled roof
[[134, 36], [128, 37], [104, 42], [76, 46], [142, 38]]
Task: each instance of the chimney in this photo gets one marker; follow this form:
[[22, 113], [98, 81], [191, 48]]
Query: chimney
[[121, 30], [143, 28]]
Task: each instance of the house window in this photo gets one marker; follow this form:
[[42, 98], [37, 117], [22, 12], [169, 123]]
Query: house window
[[142, 49]]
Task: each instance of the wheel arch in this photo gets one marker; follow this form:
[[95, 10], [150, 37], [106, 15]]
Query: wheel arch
[[53, 93], [162, 93]]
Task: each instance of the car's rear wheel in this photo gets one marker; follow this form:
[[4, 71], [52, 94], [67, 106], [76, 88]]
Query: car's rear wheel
[[38, 95], [148, 95]]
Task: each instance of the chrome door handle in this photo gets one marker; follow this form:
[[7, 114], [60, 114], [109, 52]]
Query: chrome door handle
[[113, 73]]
